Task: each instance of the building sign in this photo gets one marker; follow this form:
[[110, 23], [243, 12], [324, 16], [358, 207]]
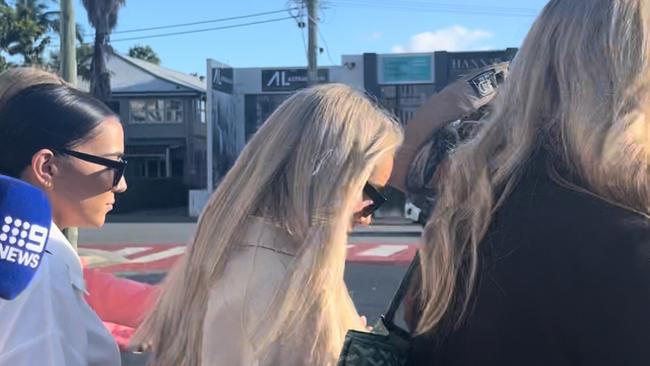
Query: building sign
[[461, 62], [290, 79], [473, 63], [222, 79], [223, 128], [406, 69]]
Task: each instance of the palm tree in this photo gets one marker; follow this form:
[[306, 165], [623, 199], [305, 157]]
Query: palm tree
[[25, 29], [102, 14]]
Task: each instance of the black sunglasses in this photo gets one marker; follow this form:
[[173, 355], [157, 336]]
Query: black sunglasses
[[377, 198], [118, 166]]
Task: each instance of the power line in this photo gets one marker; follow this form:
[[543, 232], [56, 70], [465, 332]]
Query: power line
[[301, 25], [437, 8], [448, 5], [430, 4], [195, 30], [201, 30], [304, 41], [198, 22], [412, 10], [327, 48]]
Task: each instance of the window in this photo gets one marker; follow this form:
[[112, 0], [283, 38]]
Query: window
[[259, 108], [152, 110], [405, 100], [174, 110], [146, 167], [200, 107]]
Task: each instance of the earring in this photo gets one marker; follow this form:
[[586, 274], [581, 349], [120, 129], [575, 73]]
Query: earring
[[48, 185]]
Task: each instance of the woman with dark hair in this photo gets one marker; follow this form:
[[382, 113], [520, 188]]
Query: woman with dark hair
[[69, 144]]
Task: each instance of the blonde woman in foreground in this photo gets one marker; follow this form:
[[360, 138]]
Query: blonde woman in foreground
[[262, 283], [538, 251]]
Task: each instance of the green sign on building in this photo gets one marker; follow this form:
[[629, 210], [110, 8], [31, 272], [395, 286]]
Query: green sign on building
[[406, 69]]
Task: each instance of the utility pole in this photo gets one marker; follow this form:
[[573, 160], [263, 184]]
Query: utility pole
[[312, 53], [68, 56], [68, 50]]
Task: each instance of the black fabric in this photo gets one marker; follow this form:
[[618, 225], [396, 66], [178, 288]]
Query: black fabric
[[564, 280]]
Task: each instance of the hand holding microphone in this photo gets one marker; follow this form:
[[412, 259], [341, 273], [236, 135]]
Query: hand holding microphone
[[25, 220]]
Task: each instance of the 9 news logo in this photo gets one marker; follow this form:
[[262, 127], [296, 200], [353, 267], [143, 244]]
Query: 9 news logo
[[18, 238]]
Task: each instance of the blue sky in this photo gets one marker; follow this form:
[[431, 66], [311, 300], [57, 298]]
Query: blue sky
[[347, 27]]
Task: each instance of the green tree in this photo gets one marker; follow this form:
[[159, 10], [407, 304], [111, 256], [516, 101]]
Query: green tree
[[5, 17], [25, 31], [145, 53], [102, 14], [84, 59]]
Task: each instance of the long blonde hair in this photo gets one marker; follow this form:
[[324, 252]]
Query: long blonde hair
[[303, 170], [578, 89]]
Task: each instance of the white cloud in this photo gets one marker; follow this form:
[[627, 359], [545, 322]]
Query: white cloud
[[456, 38], [375, 36]]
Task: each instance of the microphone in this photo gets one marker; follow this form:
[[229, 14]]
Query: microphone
[[25, 220]]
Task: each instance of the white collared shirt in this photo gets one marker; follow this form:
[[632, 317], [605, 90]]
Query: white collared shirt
[[50, 323]]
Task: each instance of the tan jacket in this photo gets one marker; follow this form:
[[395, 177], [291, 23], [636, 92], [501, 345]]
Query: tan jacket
[[239, 301]]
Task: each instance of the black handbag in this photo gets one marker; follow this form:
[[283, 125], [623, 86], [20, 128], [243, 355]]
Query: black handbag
[[387, 344]]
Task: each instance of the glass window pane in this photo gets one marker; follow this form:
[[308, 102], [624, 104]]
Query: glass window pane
[[156, 107], [259, 108], [202, 111], [174, 110], [152, 110], [404, 100], [138, 114]]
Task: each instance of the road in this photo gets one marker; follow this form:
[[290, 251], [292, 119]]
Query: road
[[165, 233]]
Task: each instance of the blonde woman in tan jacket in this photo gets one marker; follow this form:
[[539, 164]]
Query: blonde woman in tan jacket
[[262, 282]]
